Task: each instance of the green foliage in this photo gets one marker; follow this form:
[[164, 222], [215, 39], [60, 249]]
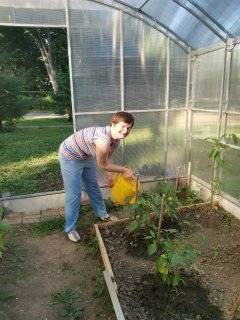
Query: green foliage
[[171, 201], [11, 106], [4, 230], [100, 285], [48, 226], [68, 299], [6, 296], [187, 196], [173, 259], [92, 244], [219, 148], [110, 205]]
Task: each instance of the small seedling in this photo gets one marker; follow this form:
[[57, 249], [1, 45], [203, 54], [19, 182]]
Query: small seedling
[[68, 299]]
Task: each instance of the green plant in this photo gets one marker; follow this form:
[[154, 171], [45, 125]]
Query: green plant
[[110, 205], [68, 299], [187, 196], [100, 284], [147, 205], [218, 149], [4, 229], [92, 244], [48, 226], [174, 258], [5, 296]]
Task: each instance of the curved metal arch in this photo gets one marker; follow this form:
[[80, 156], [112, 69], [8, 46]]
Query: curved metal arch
[[193, 3], [178, 2], [148, 19]]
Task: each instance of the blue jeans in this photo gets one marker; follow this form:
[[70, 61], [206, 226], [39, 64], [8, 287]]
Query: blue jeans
[[76, 174]]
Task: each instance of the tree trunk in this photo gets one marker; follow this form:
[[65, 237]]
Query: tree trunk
[[45, 48]]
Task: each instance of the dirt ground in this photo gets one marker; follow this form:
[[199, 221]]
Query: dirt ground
[[211, 288], [35, 267]]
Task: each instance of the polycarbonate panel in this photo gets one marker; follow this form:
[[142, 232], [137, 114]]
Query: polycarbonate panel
[[201, 164], [33, 12], [233, 124], [230, 182], [95, 51], [145, 144], [226, 13], [93, 120], [144, 65], [181, 22], [176, 143], [234, 84], [135, 3], [178, 76], [204, 124], [208, 82]]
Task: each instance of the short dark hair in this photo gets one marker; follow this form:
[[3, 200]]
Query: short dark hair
[[123, 116]]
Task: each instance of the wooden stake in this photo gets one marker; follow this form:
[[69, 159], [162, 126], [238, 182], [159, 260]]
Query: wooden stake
[[136, 191], [177, 179], [104, 255], [161, 214], [189, 174]]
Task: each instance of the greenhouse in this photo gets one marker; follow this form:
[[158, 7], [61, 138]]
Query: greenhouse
[[175, 66]]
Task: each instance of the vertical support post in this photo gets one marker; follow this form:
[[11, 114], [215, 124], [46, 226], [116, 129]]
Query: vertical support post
[[225, 97], [230, 50], [192, 100], [188, 108], [222, 93], [166, 104], [122, 92], [70, 64]]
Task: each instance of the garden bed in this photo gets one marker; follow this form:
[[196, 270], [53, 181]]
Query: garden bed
[[211, 287]]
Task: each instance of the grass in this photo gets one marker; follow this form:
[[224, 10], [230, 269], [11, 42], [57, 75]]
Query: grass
[[70, 303], [6, 296], [28, 159], [48, 226], [44, 122]]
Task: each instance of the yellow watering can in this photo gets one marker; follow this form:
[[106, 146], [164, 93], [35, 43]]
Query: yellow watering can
[[124, 190]]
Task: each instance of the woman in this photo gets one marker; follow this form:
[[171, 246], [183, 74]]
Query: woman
[[77, 156]]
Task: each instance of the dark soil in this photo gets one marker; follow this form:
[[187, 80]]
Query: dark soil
[[210, 289]]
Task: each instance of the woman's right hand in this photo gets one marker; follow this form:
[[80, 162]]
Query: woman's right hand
[[128, 173]]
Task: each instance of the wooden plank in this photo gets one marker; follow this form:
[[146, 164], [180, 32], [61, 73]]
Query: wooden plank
[[104, 255], [113, 295]]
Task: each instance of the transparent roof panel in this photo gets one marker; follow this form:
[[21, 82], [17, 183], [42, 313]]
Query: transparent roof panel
[[181, 22], [199, 23], [226, 13]]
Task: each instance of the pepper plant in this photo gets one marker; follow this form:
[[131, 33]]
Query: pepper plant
[[217, 152]]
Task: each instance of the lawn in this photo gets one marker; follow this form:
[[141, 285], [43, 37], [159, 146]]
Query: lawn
[[44, 122], [28, 157]]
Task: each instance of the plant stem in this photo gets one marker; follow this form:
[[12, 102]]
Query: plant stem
[[161, 214], [212, 182]]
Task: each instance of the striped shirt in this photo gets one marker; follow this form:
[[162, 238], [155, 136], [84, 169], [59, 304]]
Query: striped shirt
[[81, 145]]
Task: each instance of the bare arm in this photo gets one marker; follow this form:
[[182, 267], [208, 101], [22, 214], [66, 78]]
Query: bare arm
[[103, 156]]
